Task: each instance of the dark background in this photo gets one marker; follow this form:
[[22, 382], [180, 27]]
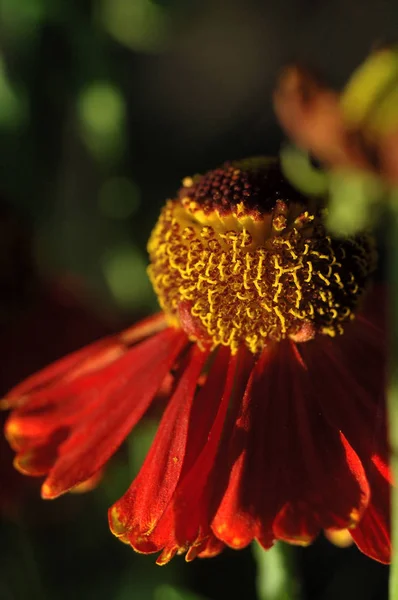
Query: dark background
[[104, 107]]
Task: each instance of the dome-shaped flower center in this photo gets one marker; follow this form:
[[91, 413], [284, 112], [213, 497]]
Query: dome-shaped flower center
[[240, 257]]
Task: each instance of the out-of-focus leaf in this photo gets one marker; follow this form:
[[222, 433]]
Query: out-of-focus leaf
[[276, 579], [385, 116], [297, 168], [393, 383], [368, 82], [353, 202]]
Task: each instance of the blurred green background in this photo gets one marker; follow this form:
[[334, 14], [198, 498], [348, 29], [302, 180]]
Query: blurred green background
[[104, 106]]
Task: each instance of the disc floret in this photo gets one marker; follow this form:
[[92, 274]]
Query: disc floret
[[240, 257]]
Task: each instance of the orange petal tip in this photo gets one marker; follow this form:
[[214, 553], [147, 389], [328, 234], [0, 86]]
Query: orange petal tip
[[48, 492], [21, 463], [11, 429], [303, 541], [88, 485], [193, 551], [166, 556], [4, 404], [12, 402], [116, 526]]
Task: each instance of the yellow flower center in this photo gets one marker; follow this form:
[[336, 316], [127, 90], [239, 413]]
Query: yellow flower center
[[241, 257]]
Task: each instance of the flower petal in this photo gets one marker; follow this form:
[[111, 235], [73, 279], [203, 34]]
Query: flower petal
[[235, 522], [120, 397], [86, 360], [186, 522], [37, 460], [352, 366], [345, 483], [293, 473], [328, 485], [372, 535], [137, 513]]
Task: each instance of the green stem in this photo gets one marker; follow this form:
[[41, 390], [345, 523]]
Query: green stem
[[393, 385], [276, 579]]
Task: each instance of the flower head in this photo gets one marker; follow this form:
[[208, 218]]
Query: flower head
[[241, 258], [274, 428]]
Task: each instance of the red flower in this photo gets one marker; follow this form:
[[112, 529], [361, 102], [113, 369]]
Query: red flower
[[275, 424]]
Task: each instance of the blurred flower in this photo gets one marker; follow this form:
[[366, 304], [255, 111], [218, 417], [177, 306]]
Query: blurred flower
[[357, 129], [275, 424]]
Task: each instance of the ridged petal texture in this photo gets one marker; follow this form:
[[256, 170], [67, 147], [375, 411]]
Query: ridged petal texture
[[76, 413], [276, 446]]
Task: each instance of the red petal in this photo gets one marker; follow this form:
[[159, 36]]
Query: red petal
[[87, 359], [348, 376], [331, 486], [372, 535], [38, 460], [345, 484], [185, 524], [236, 522], [124, 393], [353, 366], [95, 356], [137, 513], [195, 496], [293, 473], [66, 403], [206, 548], [212, 548], [87, 486], [145, 328]]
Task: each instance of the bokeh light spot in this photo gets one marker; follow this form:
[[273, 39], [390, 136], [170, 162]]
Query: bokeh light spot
[[13, 108], [125, 272], [141, 25], [102, 114], [353, 202]]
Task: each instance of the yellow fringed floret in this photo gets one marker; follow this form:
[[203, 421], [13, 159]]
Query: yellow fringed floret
[[255, 279]]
